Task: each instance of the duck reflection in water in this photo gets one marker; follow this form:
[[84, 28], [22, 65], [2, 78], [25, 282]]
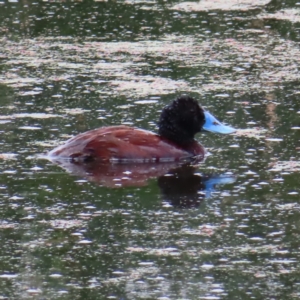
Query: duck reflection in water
[[180, 184], [184, 187]]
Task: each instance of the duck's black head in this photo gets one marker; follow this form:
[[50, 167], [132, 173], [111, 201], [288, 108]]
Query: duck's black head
[[181, 120]]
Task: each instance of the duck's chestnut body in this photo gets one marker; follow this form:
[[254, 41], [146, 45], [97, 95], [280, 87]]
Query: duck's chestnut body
[[178, 124], [125, 144]]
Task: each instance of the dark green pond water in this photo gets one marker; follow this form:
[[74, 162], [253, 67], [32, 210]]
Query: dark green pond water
[[229, 229]]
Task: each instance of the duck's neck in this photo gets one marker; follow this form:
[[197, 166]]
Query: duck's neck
[[170, 130]]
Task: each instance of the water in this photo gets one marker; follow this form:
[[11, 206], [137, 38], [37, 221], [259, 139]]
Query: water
[[228, 229]]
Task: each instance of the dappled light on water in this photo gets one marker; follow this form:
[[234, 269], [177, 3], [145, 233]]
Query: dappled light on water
[[224, 228]]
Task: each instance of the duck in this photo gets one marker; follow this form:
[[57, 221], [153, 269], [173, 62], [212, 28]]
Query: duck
[[175, 141]]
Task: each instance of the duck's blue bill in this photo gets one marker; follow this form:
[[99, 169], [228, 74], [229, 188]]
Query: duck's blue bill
[[214, 125]]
